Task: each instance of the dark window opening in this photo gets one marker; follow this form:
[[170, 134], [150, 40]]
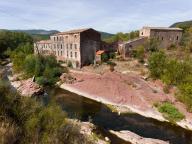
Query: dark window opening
[[71, 54]]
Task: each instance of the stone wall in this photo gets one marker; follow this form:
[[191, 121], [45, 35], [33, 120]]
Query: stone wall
[[90, 43], [125, 48]]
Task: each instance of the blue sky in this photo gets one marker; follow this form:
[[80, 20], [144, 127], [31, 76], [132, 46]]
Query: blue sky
[[104, 15]]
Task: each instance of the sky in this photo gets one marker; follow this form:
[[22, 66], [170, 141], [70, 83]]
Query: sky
[[104, 15]]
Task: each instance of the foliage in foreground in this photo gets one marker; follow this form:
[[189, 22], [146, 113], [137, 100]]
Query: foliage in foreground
[[28, 121], [170, 112]]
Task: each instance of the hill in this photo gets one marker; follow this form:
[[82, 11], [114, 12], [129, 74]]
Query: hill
[[184, 25], [105, 35], [37, 31], [44, 34]]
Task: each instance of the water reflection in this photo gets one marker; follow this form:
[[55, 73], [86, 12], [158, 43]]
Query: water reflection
[[85, 109]]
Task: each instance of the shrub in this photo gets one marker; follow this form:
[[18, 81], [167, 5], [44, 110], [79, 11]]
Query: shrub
[[140, 53], [69, 64], [152, 45], [170, 112], [104, 57], [185, 94], [112, 55], [157, 63]]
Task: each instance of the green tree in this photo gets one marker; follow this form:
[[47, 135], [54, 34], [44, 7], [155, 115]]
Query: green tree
[[157, 63], [185, 94], [140, 53]]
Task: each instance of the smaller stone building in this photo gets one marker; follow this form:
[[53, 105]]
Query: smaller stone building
[[125, 48], [164, 36]]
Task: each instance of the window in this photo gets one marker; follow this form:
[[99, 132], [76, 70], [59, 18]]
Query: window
[[162, 38], [61, 53], [142, 33], [71, 46], [67, 46], [57, 38], [75, 45], [61, 46], [54, 39], [67, 54], [71, 54], [177, 37], [75, 54], [75, 36], [58, 53]]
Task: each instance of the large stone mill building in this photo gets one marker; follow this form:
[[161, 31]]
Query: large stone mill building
[[77, 46], [165, 37]]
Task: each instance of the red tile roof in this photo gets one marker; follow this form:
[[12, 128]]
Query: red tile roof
[[100, 52]]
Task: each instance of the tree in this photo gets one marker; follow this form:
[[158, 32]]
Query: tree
[[185, 94], [157, 63], [140, 53], [11, 40]]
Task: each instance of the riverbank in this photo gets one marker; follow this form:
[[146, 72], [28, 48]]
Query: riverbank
[[136, 139], [128, 92]]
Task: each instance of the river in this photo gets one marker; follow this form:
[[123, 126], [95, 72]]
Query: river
[[88, 110]]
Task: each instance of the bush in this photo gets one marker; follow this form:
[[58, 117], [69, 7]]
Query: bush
[[104, 57], [157, 63], [112, 55], [152, 45], [69, 64], [140, 53], [185, 94], [170, 112]]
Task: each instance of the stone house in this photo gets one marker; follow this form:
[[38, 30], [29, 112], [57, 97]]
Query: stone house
[[124, 48], [76, 46], [165, 37]]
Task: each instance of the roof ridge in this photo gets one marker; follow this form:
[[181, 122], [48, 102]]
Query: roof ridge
[[74, 31]]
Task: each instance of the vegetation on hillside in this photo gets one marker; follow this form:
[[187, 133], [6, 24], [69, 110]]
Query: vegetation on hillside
[[184, 25], [46, 69], [105, 35], [122, 37], [173, 72], [12, 40], [170, 112], [25, 120]]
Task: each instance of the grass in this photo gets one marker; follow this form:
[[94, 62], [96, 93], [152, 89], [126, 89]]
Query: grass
[[170, 112]]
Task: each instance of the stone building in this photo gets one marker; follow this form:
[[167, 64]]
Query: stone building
[[164, 36], [125, 48], [77, 46]]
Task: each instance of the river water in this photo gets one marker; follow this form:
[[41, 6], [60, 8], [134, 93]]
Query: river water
[[88, 110]]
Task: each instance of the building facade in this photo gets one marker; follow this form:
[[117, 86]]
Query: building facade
[[164, 36], [76, 46], [125, 48]]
